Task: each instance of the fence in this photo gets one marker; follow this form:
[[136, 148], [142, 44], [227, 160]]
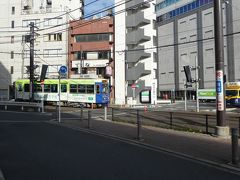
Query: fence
[[6, 105], [184, 121]]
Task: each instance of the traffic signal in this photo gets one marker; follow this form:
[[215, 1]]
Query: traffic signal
[[43, 72], [187, 71]]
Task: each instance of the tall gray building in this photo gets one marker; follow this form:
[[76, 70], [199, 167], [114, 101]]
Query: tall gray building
[[185, 30]]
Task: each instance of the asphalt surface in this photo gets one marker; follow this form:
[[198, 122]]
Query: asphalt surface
[[31, 148]]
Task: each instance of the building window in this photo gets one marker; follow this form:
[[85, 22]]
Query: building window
[[12, 39], [155, 58], [11, 69], [25, 23], [92, 37], [155, 41], [27, 53], [183, 9], [52, 37], [52, 52], [12, 55], [12, 25], [52, 21], [13, 10], [77, 55], [155, 73], [104, 55]]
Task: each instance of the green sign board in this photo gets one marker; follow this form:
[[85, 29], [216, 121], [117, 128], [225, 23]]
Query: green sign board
[[145, 96], [207, 93], [90, 98]]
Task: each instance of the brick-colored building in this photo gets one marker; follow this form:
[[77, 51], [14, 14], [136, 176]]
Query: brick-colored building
[[91, 47]]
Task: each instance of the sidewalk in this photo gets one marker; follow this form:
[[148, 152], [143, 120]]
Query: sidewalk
[[193, 145]]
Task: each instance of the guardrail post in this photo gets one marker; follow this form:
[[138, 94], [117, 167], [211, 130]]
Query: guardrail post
[[206, 124], [56, 113], [139, 127], [81, 115], [235, 155], [239, 126], [89, 119], [171, 119], [112, 114]]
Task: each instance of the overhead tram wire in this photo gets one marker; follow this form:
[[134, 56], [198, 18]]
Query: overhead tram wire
[[118, 13], [73, 11], [95, 20], [55, 16], [155, 47], [166, 35], [69, 12], [96, 12], [91, 15]]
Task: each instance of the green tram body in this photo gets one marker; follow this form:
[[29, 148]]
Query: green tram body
[[94, 91]]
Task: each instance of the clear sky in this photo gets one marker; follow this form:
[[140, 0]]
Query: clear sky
[[98, 5]]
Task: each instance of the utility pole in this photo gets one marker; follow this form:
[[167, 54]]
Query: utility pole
[[31, 61], [221, 129], [196, 83]]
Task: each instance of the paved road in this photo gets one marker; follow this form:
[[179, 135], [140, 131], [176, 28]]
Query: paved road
[[33, 149]]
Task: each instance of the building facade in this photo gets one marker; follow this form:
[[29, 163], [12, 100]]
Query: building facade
[[186, 37], [50, 18], [91, 49], [140, 63]]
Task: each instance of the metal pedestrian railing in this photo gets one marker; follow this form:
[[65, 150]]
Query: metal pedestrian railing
[[6, 105], [183, 121]]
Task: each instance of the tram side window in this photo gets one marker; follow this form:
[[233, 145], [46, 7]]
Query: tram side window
[[81, 88], [90, 89], [26, 87], [98, 89], [37, 88], [20, 88], [73, 88], [46, 87], [54, 88], [63, 88]]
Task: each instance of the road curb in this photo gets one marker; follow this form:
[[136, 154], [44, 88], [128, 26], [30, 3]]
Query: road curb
[[225, 167], [1, 175]]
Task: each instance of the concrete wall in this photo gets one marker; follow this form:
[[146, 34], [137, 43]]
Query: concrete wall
[[120, 47]]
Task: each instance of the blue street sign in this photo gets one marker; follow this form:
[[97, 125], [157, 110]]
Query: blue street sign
[[63, 70], [219, 87]]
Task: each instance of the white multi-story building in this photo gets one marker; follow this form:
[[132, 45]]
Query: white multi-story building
[[135, 64], [50, 18]]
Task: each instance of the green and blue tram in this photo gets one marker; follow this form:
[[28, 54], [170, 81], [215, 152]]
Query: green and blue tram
[[89, 91]]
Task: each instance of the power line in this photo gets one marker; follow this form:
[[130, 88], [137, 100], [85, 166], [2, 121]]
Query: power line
[[89, 22], [91, 15], [143, 49], [96, 12], [55, 16], [69, 12]]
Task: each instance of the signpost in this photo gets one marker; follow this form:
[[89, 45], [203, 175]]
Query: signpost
[[134, 86], [62, 73], [42, 85]]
